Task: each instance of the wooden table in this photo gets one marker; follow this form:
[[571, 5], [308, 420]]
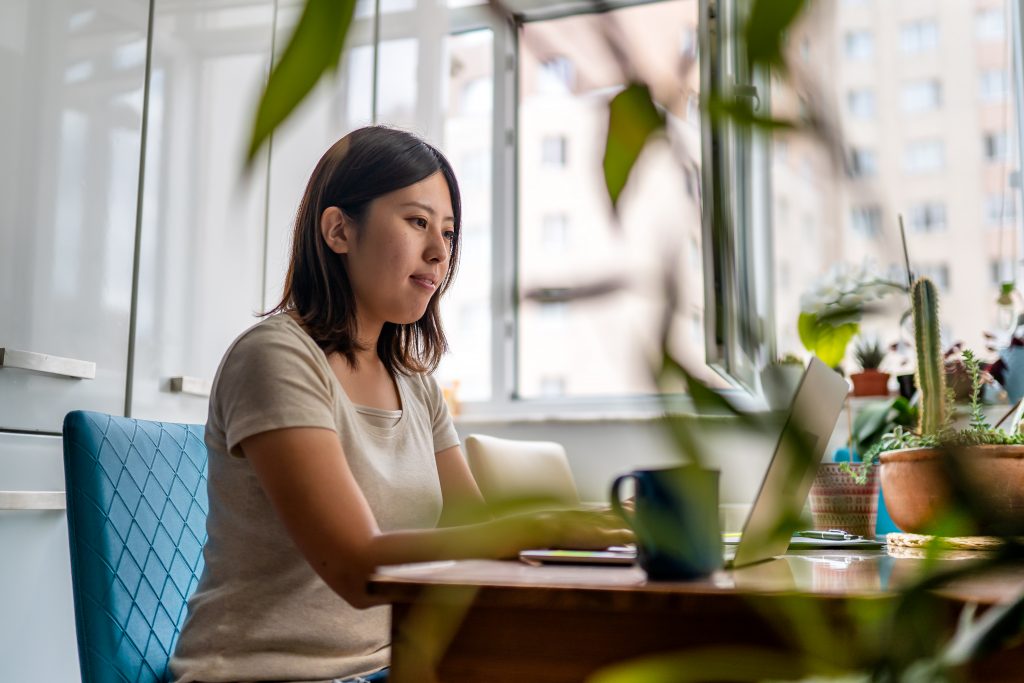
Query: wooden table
[[491, 621]]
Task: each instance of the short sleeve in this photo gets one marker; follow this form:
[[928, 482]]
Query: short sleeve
[[442, 425], [271, 379]]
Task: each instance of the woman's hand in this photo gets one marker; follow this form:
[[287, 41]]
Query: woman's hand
[[576, 529]]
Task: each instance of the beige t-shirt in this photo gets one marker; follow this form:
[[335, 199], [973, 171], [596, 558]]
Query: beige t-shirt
[[260, 612]]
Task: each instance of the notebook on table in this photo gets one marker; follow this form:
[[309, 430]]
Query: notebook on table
[[814, 411]]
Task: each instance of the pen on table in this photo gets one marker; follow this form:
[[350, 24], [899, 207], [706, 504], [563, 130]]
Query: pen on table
[[830, 535]]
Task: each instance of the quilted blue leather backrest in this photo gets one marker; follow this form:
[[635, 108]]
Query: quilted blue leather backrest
[[137, 506]]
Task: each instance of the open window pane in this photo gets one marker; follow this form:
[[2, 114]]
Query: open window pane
[[568, 239]]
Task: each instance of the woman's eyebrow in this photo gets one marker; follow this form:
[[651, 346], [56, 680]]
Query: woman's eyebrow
[[426, 207]]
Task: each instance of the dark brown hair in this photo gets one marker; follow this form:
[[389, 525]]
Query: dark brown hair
[[363, 165]]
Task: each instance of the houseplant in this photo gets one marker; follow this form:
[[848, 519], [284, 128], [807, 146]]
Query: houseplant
[[870, 381], [929, 474], [830, 314]]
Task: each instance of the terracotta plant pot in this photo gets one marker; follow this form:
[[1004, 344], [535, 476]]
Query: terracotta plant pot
[[870, 383], [838, 502], [917, 490]]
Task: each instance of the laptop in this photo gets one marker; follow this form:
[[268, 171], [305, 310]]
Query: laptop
[[787, 481]]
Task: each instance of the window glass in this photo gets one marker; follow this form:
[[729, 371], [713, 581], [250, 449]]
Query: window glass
[[919, 36], [945, 158], [568, 236], [467, 108]]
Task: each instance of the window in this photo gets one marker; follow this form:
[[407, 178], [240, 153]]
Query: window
[[866, 221], [556, 76], [860, 45], [994, 146], [928, 217], [989, 24], [863, 163], [938, 272], [992, 85], [553, 150], [556, 232], [924, 156], [1000, 210], [861, 104], [999, 272], [921, 96], [596, 347], [919, 36]]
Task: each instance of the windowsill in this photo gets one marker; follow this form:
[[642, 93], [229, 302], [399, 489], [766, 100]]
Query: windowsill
[[645, 409]]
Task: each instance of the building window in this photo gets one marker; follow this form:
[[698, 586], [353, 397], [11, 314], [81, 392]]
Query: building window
[[928, 217], [993, 86], [990, 24], [999, 272], [557, 76], [863, 163], [860, 45], [994, 146], [861, 103], [866, 220], [924, 156], [921, 96], [552, 386], [555, 228], [919, 36], [1000, 209], [553, 150], [938, 272]]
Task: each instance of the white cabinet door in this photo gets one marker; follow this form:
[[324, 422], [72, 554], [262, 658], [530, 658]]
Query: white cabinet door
[[203, 223], [72, 76], [37, 615]]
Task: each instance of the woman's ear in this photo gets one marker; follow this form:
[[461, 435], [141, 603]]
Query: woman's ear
[[336, 229]]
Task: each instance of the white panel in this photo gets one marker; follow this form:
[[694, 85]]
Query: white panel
[[37, 621], [201, 276], [72, 74]]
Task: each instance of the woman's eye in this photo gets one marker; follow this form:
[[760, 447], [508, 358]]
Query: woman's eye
[[449, 235], [420, 222]]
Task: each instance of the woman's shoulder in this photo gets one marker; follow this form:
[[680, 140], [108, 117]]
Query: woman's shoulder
[[275, 332], [276, 346]]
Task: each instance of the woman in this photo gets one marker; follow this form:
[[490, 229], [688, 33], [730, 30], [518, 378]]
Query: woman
[[331, 451]]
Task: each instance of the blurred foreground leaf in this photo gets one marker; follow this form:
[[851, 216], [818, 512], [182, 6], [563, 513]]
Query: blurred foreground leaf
[[314, 48], [711, 664], [765, 30], [632, 119]]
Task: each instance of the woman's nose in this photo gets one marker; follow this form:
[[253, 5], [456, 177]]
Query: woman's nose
[[438, 248]]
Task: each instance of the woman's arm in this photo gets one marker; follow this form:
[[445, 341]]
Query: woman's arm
[[463, 502], [307, 479]]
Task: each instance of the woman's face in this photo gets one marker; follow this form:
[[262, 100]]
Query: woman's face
[[397, 259]]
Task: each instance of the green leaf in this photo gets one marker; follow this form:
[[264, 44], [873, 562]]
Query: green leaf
[[766, 28], [632, 119], [824, 339], [740, 113], [832, 342], [314, 49]]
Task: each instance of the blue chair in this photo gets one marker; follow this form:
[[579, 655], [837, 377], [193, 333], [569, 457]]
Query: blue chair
[[137, 506]]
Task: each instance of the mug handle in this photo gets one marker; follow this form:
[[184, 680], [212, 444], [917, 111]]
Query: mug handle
[[617, 502]]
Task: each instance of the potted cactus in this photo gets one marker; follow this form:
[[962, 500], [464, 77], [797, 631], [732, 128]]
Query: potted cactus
[[915, 466], [870, 381]]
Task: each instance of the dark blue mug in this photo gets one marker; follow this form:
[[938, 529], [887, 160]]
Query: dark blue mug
[[675, 519]]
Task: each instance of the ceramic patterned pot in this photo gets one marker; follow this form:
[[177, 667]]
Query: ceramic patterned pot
[[838, 502], [917, 490]]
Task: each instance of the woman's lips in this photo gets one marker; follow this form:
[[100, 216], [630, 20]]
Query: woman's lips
[[424, 283]]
